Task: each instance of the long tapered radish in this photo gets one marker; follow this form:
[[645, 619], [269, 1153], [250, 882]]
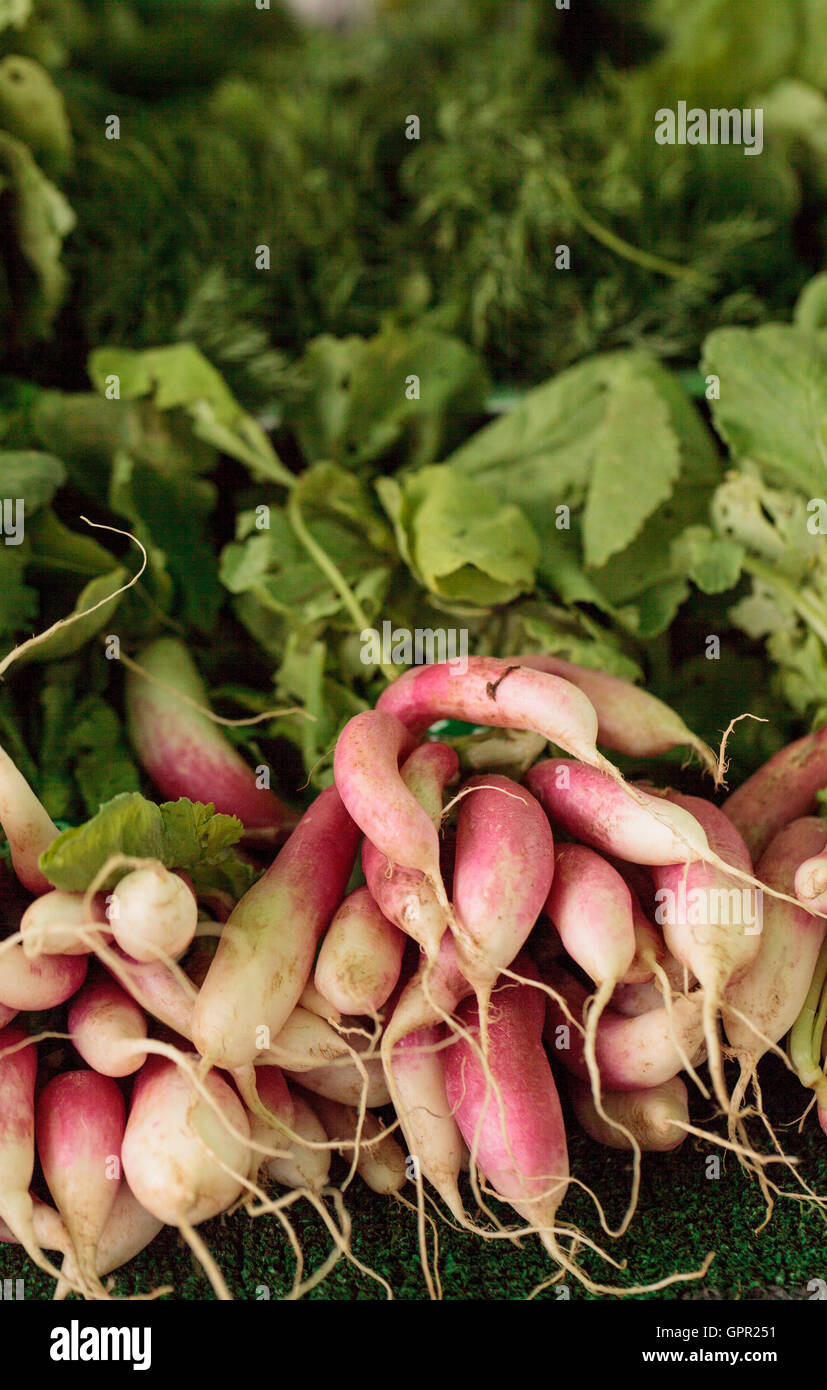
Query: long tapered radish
[[630, 720], [509, 1111], [28, 826], [406, 898], [421, 1102], [781, 791], [18, 1071], [80, 1129], [153, 913], [711, 924], [600, 812], [360, 956], [769, 997], [381, 1163], [181, 1162], [811, 882], [265, 955], [42, 983], [130, 1228], [503, 872], [656, 1116], [59, 923], [105, 1024], [366, 768], [184, 751], [631, 1053], [503, 694]]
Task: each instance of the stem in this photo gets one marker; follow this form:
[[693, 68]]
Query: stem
[[805, 1036], [332, 573]]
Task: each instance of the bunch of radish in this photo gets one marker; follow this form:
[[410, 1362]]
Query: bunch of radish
[[432, 973]]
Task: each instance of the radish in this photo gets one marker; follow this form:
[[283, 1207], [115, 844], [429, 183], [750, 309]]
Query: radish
[[631, 1000], [406, 898], [345, 1082], [503, 873], [265, 955], [315, 1002], [630, 720], [365, 766], [710, 924], [153, 914], [182, 1164], [306, 1160], [275, 1132], [306, 1041], [426, 774], [28, 826], [593, 808], [184, 751], [514, 1129], [769, 997], [631, 1053], [781, 791], [80, 1128], [18, 1070], [42, 983], [61, 924], [49, 1229], [360, 957], [128, 1231], [432, 992], [6, 1015], [656, 1117], [504, 694], [421, 1102], [106, 1027], [166, 994], [811, 882], [380, 1162]]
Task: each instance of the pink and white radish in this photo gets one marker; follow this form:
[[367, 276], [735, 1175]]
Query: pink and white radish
[[60, 924], [80, 1129], [107, 1027], [184, 751], [781, 791], [508, 1110], [18, 1071], [28, 826], [181, 1162], [360, 956], [811, 882], [431, 1132], [630, 720], [41, 983], [657, 1117], [265, 955], [153, 914]]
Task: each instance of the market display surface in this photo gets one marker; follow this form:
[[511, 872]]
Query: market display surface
[[413, 652]]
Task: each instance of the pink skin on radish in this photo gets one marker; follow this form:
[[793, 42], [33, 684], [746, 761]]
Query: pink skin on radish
[[591, 907], [360, 957], [175, 1144], [366, 768], [406, 898], [27, 824], [517, 1138], [630, 720], [106, 1026], [781, 791], [157, 990], [503, 872], [654, 1116], [184, 752], [811, 882], [80, 1128], [59, 924], [42, 983], [272, 1091], [265, 955], [421, 1101], [503, 694], [771, 994], [128, 1231], [631, 1053], [18, 1071], [594, 808], [433, 990], [6, 1015]]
